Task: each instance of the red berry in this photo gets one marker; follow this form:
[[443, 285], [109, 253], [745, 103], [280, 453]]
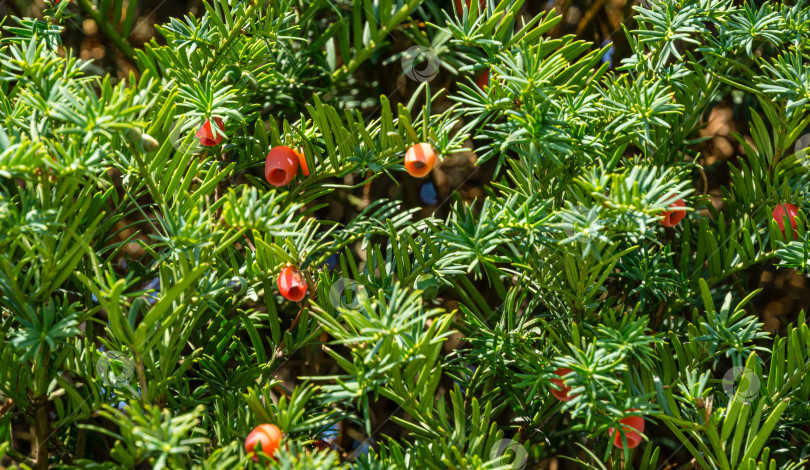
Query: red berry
[[281, 165], [291, 284], [562, 393], [206, 134], [483, 79], [633, 426], [419, 160], [266, 437], [303, 161], [789, 210], [673, 217]]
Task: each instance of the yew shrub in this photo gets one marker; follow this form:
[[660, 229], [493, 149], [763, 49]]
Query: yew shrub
[[219, 261]]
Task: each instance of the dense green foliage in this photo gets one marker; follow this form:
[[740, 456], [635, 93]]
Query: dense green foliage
[[564, 262]]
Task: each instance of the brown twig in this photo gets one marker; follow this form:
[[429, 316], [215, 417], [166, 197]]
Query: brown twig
[[366, 192], [588, 16], [279, 352], [7, 406], [42, 429], [141, 375], [81, 442]]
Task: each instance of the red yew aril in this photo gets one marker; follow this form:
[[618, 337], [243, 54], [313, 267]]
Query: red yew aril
[[281, 165], [420, 159], [633, 426], [206, 134], [483, 79], [266, 437], [563, 393], [789, 210], [291, 284], [673, 217]]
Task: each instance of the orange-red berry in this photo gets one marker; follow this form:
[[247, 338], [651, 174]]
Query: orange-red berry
[[673, 217], [266, 437], [291, 284], [206, 133], [419, 160], [483, 79], [789, 210], [563, 393], [281, 165], [633, 426]]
